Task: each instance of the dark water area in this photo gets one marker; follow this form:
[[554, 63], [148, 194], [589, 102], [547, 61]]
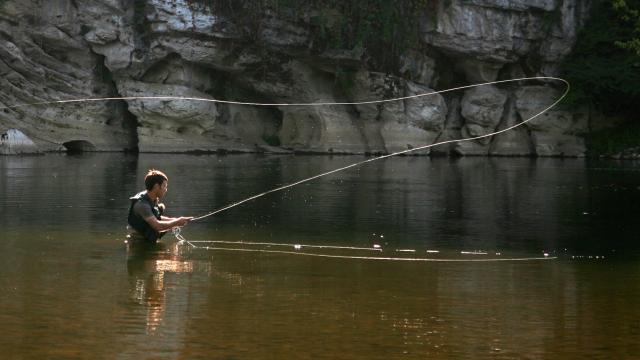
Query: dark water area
[[71, 288]]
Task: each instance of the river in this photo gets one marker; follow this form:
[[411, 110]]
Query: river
[[511, 258]]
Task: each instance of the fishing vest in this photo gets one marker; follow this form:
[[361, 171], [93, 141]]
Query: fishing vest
[[138, 223]]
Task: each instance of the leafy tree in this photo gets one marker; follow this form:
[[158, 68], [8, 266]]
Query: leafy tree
[[380, 30], [604, 68], [630, 15]]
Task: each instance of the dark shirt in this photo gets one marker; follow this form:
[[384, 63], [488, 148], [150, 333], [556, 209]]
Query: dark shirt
[[142, 209]]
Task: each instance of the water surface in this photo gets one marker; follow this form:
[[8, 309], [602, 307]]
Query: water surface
[[71, 288]]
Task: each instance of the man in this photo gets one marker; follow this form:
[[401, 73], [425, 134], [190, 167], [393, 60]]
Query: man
[[145, 213]]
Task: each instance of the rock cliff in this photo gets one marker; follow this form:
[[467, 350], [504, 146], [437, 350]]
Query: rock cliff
[[71, 49]]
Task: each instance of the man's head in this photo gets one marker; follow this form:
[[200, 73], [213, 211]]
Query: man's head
[[156, 183]]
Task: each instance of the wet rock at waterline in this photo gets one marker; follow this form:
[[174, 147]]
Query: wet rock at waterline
[[88, 49]]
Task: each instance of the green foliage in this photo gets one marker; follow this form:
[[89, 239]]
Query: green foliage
[[604, 68], [615, 140], [271, 140], [345, 79], [629, 14], [383, 29]]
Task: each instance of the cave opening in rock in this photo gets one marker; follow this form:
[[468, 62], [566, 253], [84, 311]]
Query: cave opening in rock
[[273, 125], [121, 116], [130, 122], [78, 146]]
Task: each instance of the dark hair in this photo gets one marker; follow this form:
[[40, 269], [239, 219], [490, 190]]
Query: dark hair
[[154, 177]]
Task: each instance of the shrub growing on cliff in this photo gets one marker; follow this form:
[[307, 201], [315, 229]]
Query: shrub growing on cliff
[[604, 68], [383, 29], [379, 29], [630, 13]]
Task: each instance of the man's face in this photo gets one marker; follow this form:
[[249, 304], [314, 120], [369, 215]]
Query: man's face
[[162, 188]]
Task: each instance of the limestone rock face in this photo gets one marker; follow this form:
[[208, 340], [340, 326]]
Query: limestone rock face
[[479, 71], [418, 124], [14, 142], [163, 125], [317, 128], [282, 33], [555, 132], [419, 67], [515, 142], [108, 30], [397, 125], [482, 109], [486, 34], [452, 129], [44, 58], [79, 49], [253, 126]]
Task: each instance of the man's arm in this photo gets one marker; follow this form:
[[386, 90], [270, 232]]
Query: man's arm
[[166, 224]]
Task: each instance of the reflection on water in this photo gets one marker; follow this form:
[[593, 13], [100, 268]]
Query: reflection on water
[[147, 265], [71, 288]]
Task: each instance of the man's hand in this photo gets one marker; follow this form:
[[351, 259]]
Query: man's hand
[[182, 221]]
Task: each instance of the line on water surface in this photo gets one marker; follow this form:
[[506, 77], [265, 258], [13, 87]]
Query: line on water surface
[[286, 245], [213, 248]]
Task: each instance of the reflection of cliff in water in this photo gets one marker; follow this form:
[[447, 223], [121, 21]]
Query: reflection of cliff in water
[[459, 203]]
